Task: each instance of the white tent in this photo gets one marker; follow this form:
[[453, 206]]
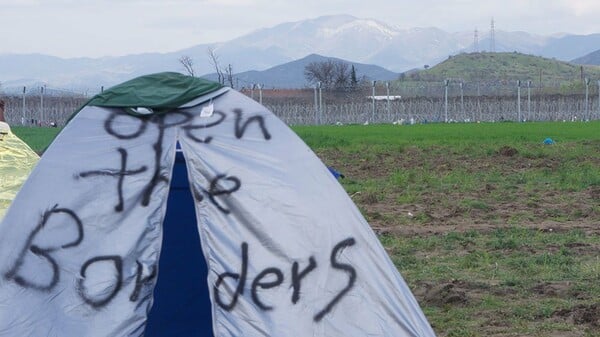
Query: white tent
[[286, 250]]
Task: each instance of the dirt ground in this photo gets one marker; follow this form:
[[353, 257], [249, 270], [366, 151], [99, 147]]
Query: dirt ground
[[440, 209], [439, 212]]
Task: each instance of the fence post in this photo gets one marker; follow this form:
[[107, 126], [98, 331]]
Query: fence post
[[41, 106], [529, 99], [23, 107], [387, 89], [587, 101], [446, 82], [519, 100], [462, 100], [373, 103], [320, 103], [316, 107]]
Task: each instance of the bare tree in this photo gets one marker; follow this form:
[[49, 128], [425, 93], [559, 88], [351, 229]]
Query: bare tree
[[214, 60], [188, 64], [331, 74], [342, 75]]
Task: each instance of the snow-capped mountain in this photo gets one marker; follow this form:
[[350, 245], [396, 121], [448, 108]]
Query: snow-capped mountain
[[360, 40]]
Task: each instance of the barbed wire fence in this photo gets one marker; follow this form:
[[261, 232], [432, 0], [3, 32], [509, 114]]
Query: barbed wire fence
[[379, 102], [440, 102], [43, 106]]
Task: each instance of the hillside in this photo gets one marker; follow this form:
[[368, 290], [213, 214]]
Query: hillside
[[589, 59], [291, 74], [506, 67]]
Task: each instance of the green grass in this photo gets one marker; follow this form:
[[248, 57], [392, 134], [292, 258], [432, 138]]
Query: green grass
[[501, 273], [37, 138]]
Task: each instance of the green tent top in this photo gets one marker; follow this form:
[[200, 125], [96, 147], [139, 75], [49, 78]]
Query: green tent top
[[158, 92]]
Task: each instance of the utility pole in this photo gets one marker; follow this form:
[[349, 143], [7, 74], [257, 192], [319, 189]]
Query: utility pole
[[476, 41]]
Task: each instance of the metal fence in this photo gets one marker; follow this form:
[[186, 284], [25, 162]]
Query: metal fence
[[438, 102], [404, 103], [42, 106]]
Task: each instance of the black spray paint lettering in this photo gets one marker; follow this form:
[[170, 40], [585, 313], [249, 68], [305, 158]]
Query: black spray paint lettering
[[157, 177], [240, 278], [140, 280], [117, 262], [341, 266], [240, 128], [120, 174], [265, 285], [189, 129], [217, 189], [45, 253], [108, 125], [298, 276], [69, 217], [272, 277]]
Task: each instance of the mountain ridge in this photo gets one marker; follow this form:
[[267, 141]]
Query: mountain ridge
[[365, 41]]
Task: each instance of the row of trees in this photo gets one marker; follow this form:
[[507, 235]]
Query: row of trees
[[331, 74]]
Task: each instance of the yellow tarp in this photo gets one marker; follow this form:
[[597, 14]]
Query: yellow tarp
[[17, 160]]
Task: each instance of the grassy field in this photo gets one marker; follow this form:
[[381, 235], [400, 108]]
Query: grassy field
[[496, 233]]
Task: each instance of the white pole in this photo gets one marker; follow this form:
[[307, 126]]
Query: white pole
[[373, 103], [387, 89], [462, 100], [260, 93], [446, 82]]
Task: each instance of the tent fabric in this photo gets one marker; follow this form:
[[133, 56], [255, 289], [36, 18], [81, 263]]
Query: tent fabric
[[16, 161], [287, 251]]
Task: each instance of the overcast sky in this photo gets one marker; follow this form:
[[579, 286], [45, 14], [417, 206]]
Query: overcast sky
[[93, 28]]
